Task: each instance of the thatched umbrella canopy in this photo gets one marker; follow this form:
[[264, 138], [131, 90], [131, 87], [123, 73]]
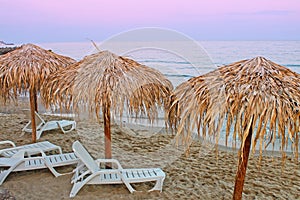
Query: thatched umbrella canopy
[[25, 69], [107, 83], [248, 94]]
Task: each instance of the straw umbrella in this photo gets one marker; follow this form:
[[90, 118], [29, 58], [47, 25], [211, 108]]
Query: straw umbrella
[[25, 69], [248, 94], [107, 83]]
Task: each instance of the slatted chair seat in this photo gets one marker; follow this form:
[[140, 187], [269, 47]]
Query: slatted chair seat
[[88, 171], [20, 162], [41, 125], [45, 146]]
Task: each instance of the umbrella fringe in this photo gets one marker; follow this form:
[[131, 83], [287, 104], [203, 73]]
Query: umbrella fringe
[[255, 90]]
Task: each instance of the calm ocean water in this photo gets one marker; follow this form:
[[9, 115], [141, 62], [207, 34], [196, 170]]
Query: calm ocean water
[[180, 61]]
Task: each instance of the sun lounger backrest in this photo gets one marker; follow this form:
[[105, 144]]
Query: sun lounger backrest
[[85, 157], [38, 119]]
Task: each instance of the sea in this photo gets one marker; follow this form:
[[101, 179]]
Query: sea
[[182, 60]]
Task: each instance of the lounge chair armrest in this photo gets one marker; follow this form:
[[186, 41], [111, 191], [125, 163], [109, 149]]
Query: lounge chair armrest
[[80, 165], [99, 161], [8, 142], [111, 171]]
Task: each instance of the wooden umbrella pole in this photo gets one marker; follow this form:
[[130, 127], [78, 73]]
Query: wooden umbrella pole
[[35, 101], [242, 167], [107, 134], [32, 112]]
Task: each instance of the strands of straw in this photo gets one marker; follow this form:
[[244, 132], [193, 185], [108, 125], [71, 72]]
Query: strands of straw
[[104, 79], [27, 67], [256, 89]]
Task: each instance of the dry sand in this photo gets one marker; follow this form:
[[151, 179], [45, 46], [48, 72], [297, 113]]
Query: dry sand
[[197, 176]]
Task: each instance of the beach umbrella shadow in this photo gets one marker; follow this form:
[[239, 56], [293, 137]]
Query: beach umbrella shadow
[[25, 69], [108, 85], [255, 94]]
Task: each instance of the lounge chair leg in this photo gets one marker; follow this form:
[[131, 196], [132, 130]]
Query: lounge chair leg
[[75, 189], [66, 131], [129, 187], [3, 175], [158, 185], [50, 167], [78, 185], [38, 134]]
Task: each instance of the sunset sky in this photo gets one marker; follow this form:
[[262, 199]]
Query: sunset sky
[[23, 21]]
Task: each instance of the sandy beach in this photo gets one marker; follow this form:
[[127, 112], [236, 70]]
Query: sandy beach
[[200, 175]]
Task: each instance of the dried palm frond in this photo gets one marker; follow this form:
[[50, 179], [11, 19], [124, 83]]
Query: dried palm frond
[[105, 79], [256, 89], [27, 67]]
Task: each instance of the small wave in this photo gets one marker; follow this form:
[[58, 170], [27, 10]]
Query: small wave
[[291, 65], [163, 61], [179, 75]]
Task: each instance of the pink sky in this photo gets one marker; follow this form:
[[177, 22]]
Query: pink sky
[[71, 20]]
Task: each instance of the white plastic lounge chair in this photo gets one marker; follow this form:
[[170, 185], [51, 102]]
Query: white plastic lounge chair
[[45, 146], [42, 125], [89, 171], [20, 162]]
